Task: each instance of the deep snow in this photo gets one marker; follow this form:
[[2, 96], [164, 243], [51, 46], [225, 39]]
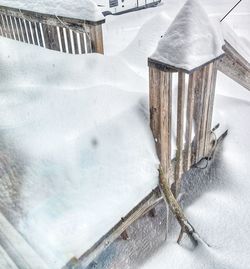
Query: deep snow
[[83, 141], [80, 9]]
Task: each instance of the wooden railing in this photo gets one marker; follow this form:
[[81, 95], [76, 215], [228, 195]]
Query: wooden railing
[[53, 32], [235, 66]]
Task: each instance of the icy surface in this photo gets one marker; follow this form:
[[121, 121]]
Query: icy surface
[[80, 9], [191, 40]]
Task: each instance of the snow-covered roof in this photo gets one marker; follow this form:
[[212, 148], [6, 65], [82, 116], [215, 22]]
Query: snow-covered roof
[[79, 9], [191, 40]]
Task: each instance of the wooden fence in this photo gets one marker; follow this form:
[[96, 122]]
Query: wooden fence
[[53, 32], [194, 115], [194, 135]]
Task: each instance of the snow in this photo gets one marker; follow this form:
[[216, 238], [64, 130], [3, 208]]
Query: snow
[[80, 9], [191, 41], [76, 130], [78, 141]]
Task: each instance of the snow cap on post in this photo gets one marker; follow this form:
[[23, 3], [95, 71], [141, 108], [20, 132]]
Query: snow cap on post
[[191, 41]]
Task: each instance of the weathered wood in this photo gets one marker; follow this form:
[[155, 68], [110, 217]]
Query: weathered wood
[[189, 121], [15, 28], [39, 34], [198, 106], [12, 36], [235, 66], [141, 209], [204, 109], [63, 42], [6, 261], [51, 37], [96, 37], [17, 248], [75, 40], [69, 41], [19, 29], [27, 29], [154, 101], [6, 28], [205, 129], [33, 33], [180, 131], [170, 200], [210, 107], [29, 33], [165, 113], [82, 43], [23, 30]]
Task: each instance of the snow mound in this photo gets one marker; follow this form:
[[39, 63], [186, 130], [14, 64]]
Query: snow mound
[[81, 9], [78, 138], [191, 39]]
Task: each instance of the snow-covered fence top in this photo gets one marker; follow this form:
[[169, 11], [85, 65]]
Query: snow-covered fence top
[[52, 31]]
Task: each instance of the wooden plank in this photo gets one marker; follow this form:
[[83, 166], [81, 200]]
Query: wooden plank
[[24, 32], [154, 101], [75, 41], [82, 43], [15, 28], [189, 121], [63, 42], [211, 106], [206, 100], [12, 35], [180, 131], [96, 37], [6, 28], [141, 209], [29, 33], [235, 68], [3, 31], [198, 104], [34, 32], [5, 260], [165, 87], [17, 248], [19, 29], [51, 37], [39, 35], [69, 41]]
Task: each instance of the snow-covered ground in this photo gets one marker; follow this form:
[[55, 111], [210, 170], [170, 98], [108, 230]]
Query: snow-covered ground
[[76, 132]]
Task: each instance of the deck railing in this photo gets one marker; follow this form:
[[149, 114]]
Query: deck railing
[[53, 32]]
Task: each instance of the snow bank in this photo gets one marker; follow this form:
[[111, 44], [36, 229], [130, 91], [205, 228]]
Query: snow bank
[[86, 145], [191, 40], [79, 9]]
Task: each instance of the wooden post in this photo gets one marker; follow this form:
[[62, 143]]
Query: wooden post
[[96, 37], [161, 112], [194, 116], [180, 131]]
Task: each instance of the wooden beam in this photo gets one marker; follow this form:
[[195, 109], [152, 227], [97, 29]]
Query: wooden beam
[[235, 66], [96, 37], [17, 248], [189, 122], [165, 83], [141, 209], [180, 131]]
